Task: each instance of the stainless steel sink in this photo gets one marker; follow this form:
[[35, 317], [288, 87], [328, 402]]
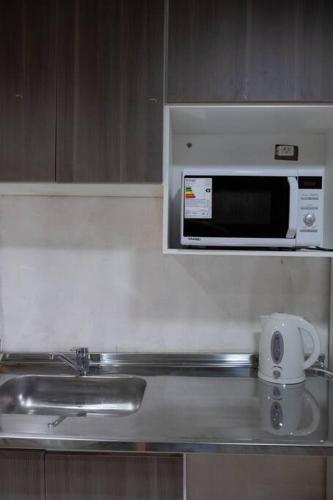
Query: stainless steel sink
[[66, 395]]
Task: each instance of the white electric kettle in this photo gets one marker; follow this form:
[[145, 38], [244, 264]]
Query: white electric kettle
[[281, 348]]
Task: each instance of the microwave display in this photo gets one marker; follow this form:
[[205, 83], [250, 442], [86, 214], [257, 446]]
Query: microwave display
[[242, 207]]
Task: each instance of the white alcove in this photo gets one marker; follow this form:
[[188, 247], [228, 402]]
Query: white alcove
[[243, 135]]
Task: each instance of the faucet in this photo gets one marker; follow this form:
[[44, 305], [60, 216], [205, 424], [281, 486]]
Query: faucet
[[79, 362]]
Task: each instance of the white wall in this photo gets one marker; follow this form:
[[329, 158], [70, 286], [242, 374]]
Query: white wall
[[90, 271]]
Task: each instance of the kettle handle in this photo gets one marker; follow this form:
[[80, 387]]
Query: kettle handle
[[315, 416], [305, 325]]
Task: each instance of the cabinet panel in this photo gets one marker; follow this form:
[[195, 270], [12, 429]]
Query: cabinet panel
[[314, 50], [289, 48], [256, 477], [270, 50], [206, 50], [22, 475], [249, 50], [27, 90], [329, 478], [112, 476], [109, 90]]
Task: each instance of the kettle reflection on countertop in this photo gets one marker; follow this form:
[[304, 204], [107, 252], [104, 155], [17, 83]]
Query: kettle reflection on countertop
[[282, 408]]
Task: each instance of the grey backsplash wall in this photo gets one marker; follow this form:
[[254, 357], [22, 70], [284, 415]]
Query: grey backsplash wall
[[90, 271]]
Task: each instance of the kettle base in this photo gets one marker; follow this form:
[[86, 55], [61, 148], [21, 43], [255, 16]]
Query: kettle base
[[281, 381]]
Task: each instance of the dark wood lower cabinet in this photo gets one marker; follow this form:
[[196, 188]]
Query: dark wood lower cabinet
[[257, 477], [39, 475], [90, 476], [329, 478], [22, 475]]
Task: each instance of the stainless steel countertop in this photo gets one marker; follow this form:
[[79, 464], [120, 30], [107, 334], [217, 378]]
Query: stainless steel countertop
[[192, 403]]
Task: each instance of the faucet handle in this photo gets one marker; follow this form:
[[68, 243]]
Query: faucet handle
[[80, 350]]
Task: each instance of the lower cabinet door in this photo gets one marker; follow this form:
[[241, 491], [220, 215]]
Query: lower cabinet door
[[91, 476], [256, 477], [22, 475], [329, 478]]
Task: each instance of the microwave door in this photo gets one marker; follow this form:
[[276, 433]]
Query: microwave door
[[252, 207], [293, 207], [245, 211]]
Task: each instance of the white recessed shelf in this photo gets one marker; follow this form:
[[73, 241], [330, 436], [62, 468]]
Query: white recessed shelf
[[238, 135]]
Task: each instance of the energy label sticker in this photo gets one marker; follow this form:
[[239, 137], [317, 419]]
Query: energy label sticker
[[198, 197]]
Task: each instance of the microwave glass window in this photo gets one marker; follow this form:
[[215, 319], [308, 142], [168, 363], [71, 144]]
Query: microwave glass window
[[235, 207], [245, 207]]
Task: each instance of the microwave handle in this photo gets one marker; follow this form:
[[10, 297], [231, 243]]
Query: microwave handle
[[293, 207]]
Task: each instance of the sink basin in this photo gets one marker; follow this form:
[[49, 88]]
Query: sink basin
[[63, 395]]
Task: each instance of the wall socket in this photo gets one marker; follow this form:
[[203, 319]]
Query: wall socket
[[286, 152]]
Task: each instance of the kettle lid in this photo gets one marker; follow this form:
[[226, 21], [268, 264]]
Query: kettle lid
[[283, 316]]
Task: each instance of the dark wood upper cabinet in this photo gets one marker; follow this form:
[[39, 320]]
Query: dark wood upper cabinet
[[27, 90], [206, 50], [250, 50], [81, 85], [109, 90], [314, 51]]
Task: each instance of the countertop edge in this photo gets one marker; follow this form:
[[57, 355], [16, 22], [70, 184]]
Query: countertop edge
[[90, 445]]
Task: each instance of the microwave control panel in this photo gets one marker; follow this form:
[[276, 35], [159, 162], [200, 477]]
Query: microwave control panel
[[310, 211]]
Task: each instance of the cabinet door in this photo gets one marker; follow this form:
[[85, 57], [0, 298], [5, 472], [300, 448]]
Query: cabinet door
[[250, 50], [27, 90], [22, 475], [329, 478], [206, 50], [112, 477], [109, 90], [256, 477]]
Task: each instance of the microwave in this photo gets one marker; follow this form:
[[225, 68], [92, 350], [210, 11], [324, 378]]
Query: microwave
[[252, 207]]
